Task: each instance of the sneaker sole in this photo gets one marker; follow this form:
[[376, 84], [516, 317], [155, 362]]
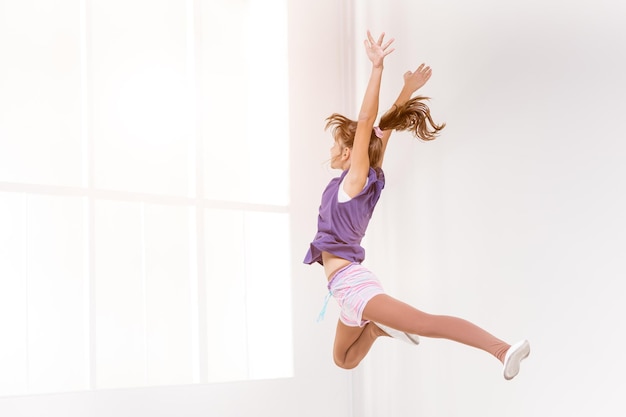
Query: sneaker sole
[[399, 335], [512, 363]]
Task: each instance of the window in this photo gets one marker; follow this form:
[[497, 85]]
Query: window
[[144, 194]]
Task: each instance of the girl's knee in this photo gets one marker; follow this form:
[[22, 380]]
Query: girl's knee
[[343, 363]]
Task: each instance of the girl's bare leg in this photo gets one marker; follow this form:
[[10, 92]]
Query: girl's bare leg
[[353, 343], [401, 316]]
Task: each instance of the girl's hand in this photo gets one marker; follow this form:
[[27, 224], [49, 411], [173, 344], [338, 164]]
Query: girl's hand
[[376, 51], [413, 81]]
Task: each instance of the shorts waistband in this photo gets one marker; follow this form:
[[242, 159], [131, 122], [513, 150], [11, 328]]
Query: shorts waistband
[[339, 271]]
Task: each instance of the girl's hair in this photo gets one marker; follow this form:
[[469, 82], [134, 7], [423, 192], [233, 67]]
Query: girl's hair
[[413, 116]]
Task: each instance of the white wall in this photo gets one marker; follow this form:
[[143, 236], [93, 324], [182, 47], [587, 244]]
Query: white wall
[[513, 218]]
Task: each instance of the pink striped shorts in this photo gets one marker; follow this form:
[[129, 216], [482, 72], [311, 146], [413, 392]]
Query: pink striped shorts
[[353, 286]]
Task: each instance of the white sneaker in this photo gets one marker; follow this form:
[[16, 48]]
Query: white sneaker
[[412, 339], [514, 356]]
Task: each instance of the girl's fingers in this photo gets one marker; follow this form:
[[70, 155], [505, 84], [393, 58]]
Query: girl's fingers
[[423, 69], [380, 39], [389, 42], [370, 43]]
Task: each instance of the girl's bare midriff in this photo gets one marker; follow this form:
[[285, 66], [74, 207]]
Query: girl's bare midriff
[[333, 264]]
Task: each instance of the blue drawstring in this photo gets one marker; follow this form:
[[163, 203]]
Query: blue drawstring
[[320, 317]]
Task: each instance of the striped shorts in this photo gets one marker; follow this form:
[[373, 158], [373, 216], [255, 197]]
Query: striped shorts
[[353, 286]]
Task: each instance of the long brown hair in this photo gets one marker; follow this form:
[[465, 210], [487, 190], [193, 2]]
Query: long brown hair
[[413, 116]]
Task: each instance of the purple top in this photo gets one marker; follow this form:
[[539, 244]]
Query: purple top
[[341, 226]]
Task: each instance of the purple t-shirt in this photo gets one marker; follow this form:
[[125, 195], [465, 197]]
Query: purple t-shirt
[[341, 226]]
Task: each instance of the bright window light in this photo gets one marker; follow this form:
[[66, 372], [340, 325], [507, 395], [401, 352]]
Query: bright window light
[[143, 188]]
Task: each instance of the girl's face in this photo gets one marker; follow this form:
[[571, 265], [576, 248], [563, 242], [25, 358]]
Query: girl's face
[[336, 153]]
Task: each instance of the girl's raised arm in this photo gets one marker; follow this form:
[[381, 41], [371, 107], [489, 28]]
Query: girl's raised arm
[[413, 81], [360, 163]]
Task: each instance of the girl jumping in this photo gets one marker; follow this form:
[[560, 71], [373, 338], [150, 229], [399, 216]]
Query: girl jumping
[[348, 201]]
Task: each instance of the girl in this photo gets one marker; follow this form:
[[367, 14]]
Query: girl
[[346, 208]]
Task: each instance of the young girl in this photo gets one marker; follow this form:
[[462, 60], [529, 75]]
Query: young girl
[[346, 208]]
